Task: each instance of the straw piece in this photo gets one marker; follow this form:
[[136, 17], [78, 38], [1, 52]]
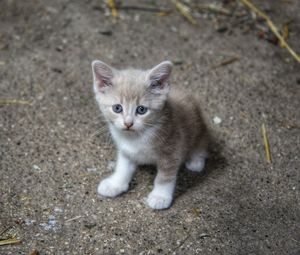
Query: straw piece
[[9, 241], [142, 8], [75, 218], [185, 11], [113, 8], [163, 13], [266, 143], [226, 62], [273, 28], [285, 33], [14, 101], [214, 8]]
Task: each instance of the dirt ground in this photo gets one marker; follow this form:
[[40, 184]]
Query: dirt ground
[[53, 152]]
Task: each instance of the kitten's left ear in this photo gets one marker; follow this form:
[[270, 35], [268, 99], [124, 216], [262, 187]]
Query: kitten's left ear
[[159, 76]]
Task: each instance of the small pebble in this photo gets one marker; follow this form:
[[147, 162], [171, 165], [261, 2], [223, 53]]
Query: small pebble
[[56, 209], [36, 167], [203, 235], [217, 120], [91, 169]]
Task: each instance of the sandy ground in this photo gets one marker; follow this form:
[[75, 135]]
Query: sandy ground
[[54, 152]]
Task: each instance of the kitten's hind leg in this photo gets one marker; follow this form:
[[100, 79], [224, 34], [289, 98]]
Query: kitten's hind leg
[[118, 182], [196, 161]]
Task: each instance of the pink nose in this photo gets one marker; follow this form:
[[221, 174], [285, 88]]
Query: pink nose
[[128, 124]]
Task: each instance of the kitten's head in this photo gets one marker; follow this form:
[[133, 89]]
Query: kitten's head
[[131, 100]]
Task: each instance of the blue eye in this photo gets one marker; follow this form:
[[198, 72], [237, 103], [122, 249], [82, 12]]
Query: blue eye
[[117, 108], [141, 109]]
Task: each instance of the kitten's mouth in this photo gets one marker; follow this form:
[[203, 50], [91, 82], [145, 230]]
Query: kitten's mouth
[[128, 129]]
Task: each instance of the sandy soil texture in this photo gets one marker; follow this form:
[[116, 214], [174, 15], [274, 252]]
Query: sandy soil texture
[[54, 149]]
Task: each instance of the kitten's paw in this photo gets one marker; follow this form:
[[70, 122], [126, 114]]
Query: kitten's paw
[[159, 202], [108, 188], [195, 165]]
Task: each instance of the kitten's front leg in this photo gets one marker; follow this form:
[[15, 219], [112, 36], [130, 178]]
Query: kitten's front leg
[[118, 182], [161, 196]]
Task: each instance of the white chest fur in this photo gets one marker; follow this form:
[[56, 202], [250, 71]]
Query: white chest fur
[[137, 148]]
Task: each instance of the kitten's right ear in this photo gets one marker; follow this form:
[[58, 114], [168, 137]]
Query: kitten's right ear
[[102, 74]]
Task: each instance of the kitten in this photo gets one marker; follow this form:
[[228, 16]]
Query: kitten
[[150, 124]]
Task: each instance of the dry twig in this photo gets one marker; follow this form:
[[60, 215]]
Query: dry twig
[[273, 28]]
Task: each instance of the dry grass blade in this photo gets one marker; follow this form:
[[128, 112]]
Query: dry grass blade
[[273, 28], [113, 8], [14, 101], [214, 8], [143, 8], [185, 11], [75, 218], [226, 62], [9, 241], [163, 13], [266, 143], [285, 32]]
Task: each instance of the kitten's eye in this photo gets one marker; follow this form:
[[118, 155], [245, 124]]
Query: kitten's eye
[[141, 109], [117, 108]]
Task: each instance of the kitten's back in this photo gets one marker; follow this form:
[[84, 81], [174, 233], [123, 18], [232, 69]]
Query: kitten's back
[[184, 128]]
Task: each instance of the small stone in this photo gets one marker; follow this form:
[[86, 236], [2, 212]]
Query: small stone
[[59, 210], [174, 29], [203, 235], [106, 32], [177, 62], [36, 168], [222, 29], [137, 18], [29, 222], [90, 225], [217, 120], [91, 169]]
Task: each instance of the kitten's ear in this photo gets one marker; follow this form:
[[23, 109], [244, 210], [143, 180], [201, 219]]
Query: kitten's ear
[[159, 76], [103, 75]]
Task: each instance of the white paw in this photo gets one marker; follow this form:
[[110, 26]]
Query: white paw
[[108, 188], [159, 202], [195, 165]]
